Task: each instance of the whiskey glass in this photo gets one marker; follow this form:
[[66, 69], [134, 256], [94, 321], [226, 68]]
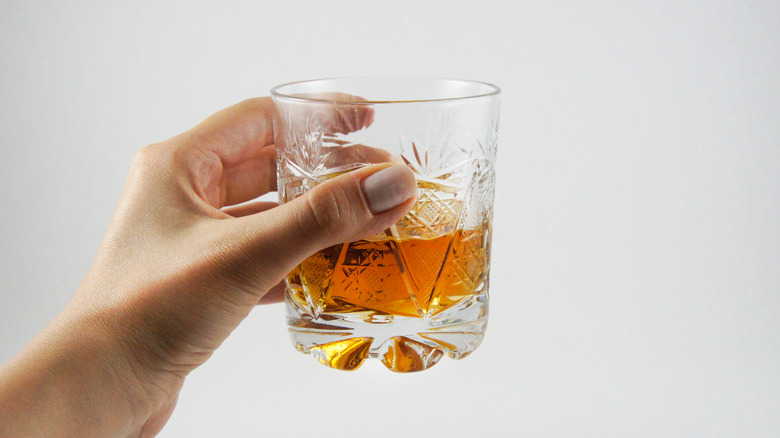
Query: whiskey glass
[[419, 290]]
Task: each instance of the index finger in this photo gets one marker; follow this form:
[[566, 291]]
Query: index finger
[[333, 112], [231, 155], [229, 158], [239, 132]]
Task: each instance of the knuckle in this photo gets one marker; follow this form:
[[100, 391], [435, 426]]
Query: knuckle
[[329, 213], [324, 212], [152, 157]]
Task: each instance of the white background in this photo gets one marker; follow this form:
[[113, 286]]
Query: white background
[[636, 268]]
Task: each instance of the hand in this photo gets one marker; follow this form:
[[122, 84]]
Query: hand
[[179, 269]]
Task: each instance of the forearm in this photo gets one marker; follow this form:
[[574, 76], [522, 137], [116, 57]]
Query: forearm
[[69, 381]]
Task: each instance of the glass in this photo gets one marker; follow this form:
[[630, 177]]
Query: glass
[[419, 290]]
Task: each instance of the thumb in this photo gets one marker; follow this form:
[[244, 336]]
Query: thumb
[[349, 207]]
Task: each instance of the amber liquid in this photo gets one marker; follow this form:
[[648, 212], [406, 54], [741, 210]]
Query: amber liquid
[[409, 276]]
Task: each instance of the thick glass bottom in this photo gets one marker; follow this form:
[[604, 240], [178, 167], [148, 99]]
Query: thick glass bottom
[[403, 344]]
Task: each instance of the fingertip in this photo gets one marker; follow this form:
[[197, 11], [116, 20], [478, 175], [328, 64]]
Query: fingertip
[[366, 114]]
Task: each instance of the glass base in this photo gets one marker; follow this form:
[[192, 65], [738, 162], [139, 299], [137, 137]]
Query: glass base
[[403, 344]]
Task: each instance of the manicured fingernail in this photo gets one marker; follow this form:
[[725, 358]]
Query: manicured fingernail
[[389, 187]]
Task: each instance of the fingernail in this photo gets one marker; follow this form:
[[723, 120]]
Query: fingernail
[[389, 187]]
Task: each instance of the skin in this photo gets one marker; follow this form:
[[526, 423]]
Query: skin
[[177, 271]]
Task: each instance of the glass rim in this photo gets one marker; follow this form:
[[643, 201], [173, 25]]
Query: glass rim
[[276, 92]]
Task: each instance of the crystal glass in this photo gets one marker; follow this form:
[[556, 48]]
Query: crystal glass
[[419, 290]]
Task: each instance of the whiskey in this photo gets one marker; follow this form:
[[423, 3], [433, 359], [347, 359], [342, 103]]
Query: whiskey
[[392, 276], [419, 291], [406, 297]]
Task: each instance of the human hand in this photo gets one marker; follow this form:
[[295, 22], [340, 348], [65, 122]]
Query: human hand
[[180, 268]]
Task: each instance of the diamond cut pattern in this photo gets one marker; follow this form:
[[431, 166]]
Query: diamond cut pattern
[[455, 179]]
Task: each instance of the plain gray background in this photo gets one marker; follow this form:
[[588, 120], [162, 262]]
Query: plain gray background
[[636, 264]]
